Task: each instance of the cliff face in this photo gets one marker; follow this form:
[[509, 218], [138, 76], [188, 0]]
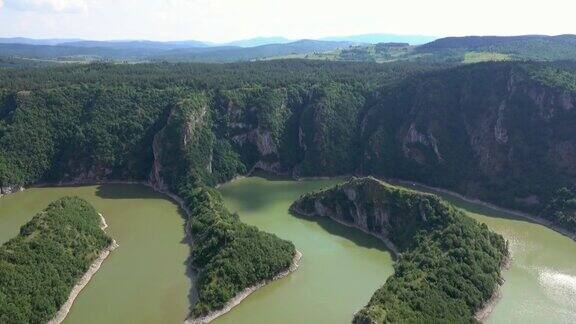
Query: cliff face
[[254, 121], [385, 211], [183, 147], [502, 132], [493, 131], [489, 130], [448, 265]]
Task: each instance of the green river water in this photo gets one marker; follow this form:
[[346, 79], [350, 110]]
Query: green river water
[[145, 281]]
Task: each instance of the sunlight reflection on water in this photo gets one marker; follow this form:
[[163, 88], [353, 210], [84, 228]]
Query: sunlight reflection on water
[[559, 286]]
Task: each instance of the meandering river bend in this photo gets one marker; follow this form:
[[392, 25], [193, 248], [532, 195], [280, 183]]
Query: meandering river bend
[[145, 280]]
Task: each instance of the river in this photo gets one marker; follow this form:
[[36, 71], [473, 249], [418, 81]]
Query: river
[[145, 281], [338, 275]]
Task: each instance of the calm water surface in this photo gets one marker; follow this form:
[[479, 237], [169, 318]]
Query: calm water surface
[[540, 285], [144, 280], [340, 271], [340, 268]]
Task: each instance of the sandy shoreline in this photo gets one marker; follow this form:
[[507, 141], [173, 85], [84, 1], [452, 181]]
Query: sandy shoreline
[[245, 293], [83, 282]]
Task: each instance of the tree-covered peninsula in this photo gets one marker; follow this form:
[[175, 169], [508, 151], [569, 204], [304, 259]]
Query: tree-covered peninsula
[[40, 267], [228, 255], [448, 265]]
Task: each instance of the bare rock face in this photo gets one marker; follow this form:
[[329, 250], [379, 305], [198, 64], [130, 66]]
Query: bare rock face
[[376, 207], [474, 138], [413, 136], [6, 190], [262, 139], [88, 175], [500, 131], [155, 179]]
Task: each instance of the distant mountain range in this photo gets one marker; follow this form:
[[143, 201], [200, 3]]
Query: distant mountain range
[[369, 47], [234, 53], [250, 42], [383, 38], [163, 51]]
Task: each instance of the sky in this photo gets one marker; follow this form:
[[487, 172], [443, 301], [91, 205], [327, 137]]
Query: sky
[[227, 20]]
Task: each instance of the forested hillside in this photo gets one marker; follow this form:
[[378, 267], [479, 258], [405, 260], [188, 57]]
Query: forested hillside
[[535, 47], [40, 266], [448, 266], [229, 255], [500, 131], [458, 50], [148, 51]]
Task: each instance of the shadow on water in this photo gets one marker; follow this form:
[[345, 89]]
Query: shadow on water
[[352, 234], [126, 191], [259, 194]]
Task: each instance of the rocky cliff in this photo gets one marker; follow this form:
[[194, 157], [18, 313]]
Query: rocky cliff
[[494, 131], [448, 265], [501, 132]]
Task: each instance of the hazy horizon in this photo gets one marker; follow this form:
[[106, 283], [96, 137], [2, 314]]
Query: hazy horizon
[[280, 38], [223, 21]]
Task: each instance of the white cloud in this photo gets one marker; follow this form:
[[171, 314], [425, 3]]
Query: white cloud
[[48, 5]]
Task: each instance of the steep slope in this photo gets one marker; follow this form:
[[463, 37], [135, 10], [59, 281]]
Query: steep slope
[[501, 132], [232, 259], [498, 131], [448, 265]]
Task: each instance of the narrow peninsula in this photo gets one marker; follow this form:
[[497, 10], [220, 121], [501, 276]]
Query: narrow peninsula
[[448, 265], [44, 268], [231, 259]]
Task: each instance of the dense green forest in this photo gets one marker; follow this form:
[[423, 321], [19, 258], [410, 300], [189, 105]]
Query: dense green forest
[[467, 49], [230, 255], [499, 131], [448, 267], [39, 267]]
